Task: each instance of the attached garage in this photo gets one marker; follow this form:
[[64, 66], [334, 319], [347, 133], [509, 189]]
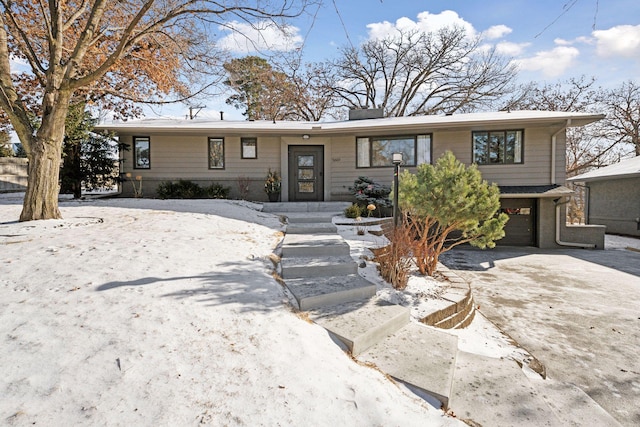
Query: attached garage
[[532, 214], [521, 228]]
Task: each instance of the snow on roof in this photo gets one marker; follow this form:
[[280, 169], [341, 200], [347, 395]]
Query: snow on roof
[[512, 118], [625, 169]]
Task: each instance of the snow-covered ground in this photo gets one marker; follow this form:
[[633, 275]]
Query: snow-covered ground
[[149, 312]]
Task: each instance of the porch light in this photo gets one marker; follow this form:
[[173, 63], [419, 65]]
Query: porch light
[[305, 136], [397, 158]]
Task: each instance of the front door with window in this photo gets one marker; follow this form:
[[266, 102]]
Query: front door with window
[[306, 173]]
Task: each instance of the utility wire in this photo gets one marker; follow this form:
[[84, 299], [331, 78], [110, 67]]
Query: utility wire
[[344, 27]]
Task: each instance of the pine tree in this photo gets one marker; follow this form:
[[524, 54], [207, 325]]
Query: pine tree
[[89, 159], [448, 204]]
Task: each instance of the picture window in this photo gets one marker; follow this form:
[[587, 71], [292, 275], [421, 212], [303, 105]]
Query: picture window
[[378, 151]]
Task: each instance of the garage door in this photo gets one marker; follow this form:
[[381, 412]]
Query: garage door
[[520, 230]]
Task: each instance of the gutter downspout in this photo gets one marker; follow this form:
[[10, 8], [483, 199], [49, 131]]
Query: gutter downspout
[[560, 242], [554, 144]]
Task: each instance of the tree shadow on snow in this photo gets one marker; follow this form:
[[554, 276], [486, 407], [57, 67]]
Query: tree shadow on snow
[[249, 287]]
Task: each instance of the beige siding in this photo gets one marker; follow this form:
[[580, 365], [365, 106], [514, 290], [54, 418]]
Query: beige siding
[[187, 157], [174, 157], [535, 170]]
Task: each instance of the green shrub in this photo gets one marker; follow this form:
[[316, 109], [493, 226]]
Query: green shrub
[[182, 189], [185, 189], [368, 192], [216, 191], [353, 211]]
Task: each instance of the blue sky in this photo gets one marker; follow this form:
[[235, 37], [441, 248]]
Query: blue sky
[[551, 50], [550, 40]]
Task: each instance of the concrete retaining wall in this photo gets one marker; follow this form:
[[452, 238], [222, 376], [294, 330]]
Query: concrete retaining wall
[[590, 234], [13, 174]]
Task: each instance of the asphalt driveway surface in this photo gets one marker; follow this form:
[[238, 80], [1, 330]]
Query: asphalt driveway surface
[[576, 310]]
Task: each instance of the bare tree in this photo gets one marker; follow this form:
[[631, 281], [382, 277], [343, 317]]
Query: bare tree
[[598, 144], [414, 73], [314, 95], [99, 49], [623, 115]]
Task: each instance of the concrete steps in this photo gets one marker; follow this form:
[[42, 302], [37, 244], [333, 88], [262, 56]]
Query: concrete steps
[[305, 245], [362, 324], [295, 268], [421, 357], [310, 207], [316, 292], [318, 270], [312, 228]]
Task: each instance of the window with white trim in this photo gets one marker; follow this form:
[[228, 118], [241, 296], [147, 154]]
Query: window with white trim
[[377, 151]]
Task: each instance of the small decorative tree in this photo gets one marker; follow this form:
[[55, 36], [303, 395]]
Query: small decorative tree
[[447, 205], [368, 192]]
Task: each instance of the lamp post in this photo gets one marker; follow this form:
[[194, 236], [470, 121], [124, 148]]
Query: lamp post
[[396, 159]]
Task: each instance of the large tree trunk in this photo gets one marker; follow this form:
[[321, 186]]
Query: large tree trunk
[[45, 155], [41, 198]]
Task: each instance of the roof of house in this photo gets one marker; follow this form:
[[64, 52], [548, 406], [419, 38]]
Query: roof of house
[[534, 191], [417, 123], [625, 169]]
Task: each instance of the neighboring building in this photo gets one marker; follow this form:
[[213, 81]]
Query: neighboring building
[[522, 151], [613, 196], [13, 174]]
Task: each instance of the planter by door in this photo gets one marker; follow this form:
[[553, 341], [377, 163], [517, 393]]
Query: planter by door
[[274, 197]]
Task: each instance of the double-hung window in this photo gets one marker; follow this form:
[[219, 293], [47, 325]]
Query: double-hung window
[[378, 151], [497, 147]]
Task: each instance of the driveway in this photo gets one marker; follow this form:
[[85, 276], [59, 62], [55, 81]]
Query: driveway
[[577, 311]]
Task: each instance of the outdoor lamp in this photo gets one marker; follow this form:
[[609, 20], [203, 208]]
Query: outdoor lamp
[[396, 159]]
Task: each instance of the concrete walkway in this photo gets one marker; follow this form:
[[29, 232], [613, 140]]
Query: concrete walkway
[[577, 311], [319, 271], [481, 390]]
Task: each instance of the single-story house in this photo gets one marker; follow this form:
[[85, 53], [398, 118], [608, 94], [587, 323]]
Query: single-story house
[[521, 151], [613, 196]]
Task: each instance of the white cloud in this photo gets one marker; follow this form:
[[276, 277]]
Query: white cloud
[[496, 32], [426, 22], [511, 49], [623, 40], [552, 63], [563, 42], [261, 36], [18, 65]]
